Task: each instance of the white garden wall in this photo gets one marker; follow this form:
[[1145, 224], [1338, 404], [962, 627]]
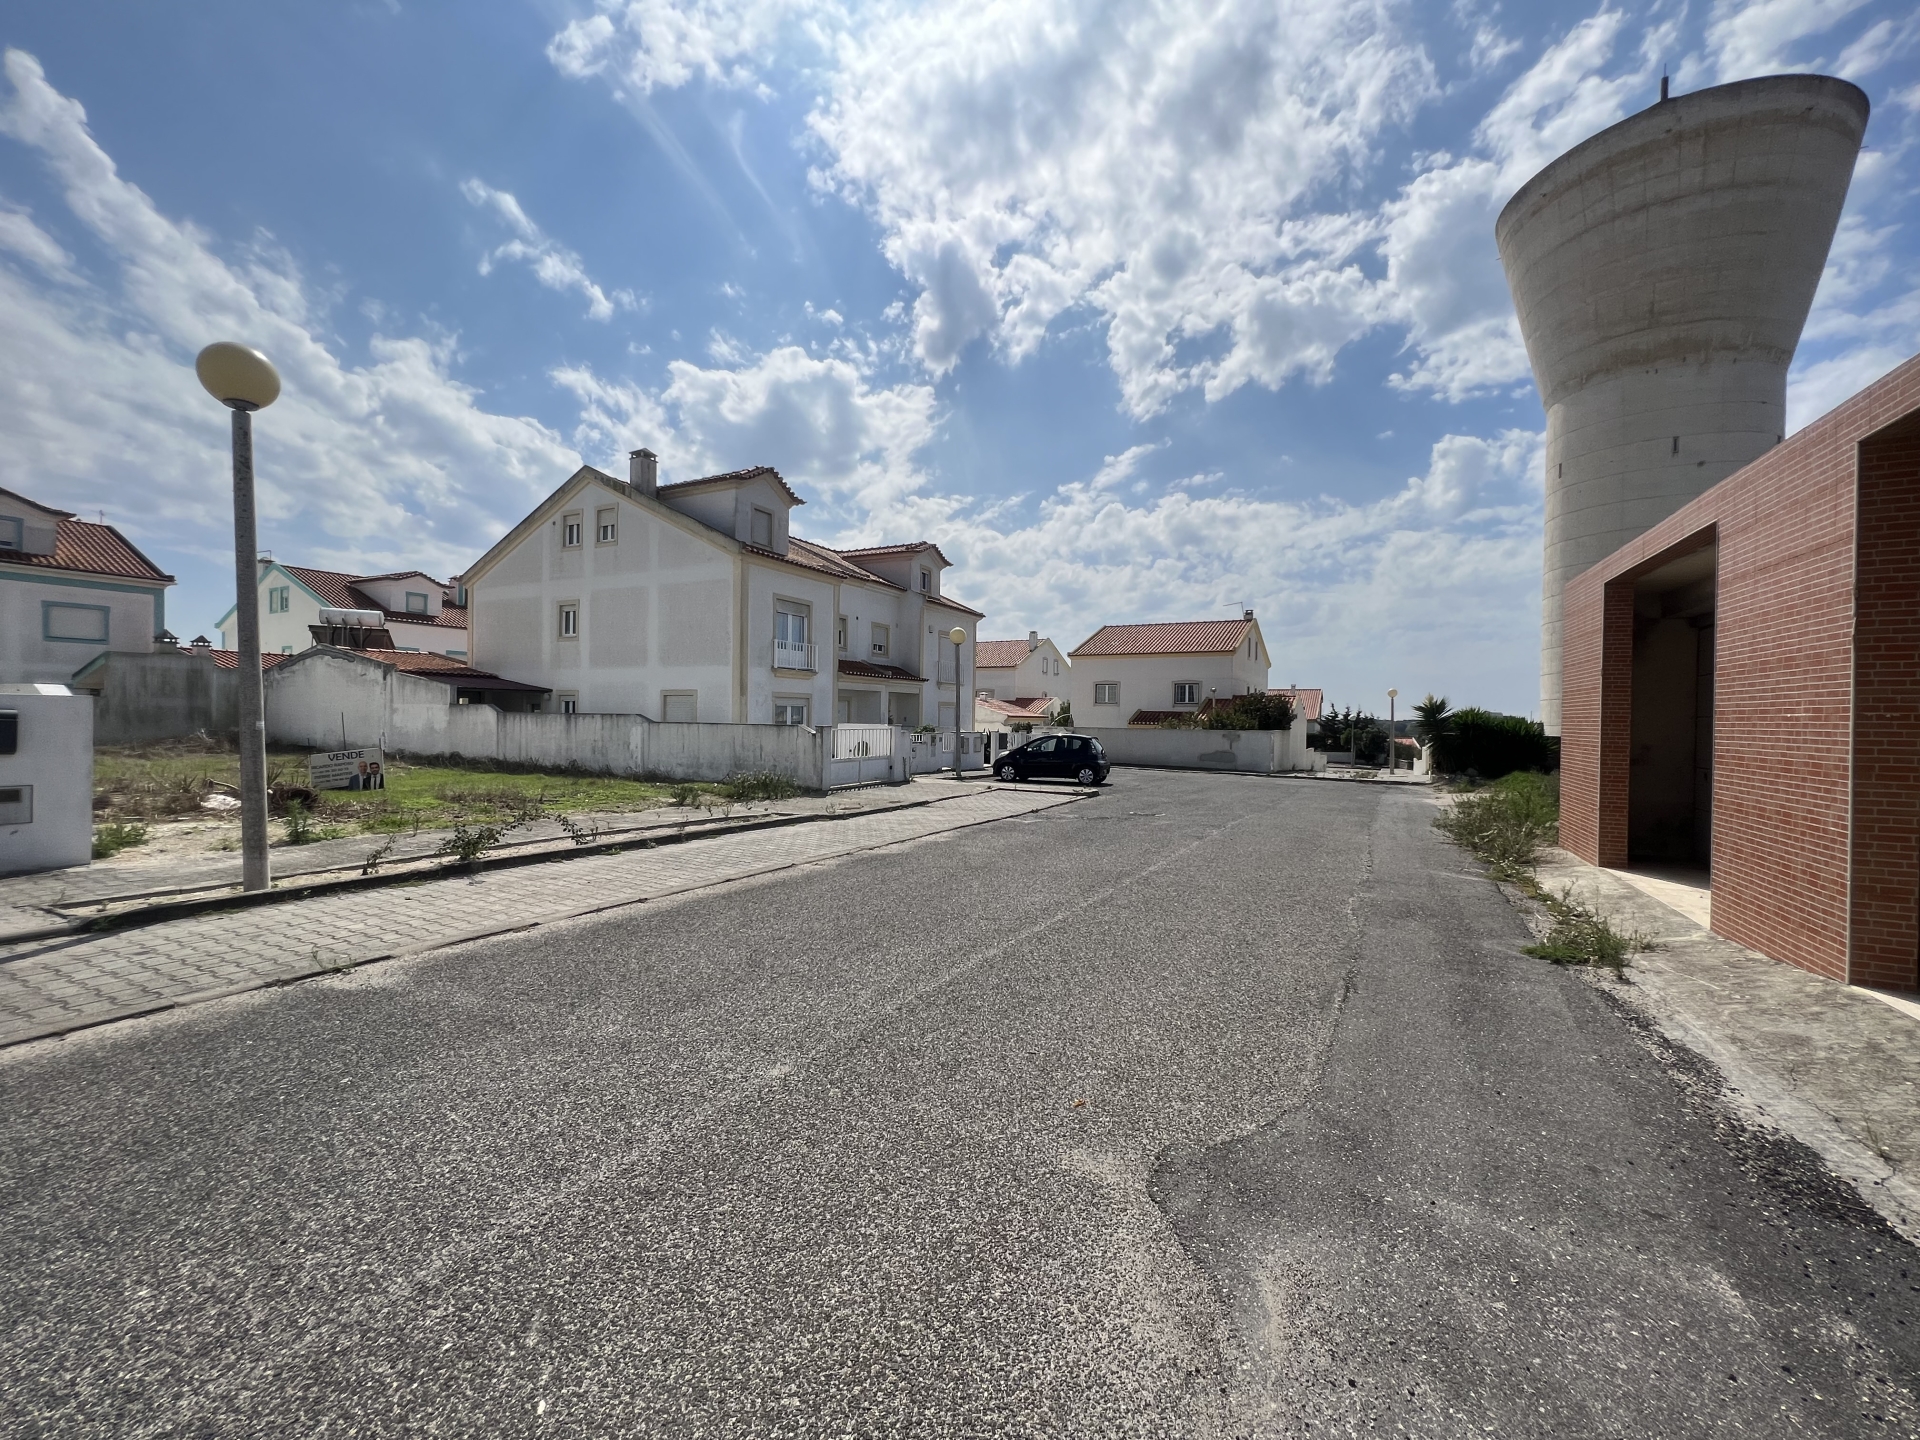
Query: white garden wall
[[329, 700], [1259, 752]]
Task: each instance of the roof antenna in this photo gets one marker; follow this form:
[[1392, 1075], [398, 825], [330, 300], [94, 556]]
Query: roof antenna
[[1663, 84]]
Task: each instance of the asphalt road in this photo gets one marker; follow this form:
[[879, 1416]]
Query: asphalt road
[[1211, 1106]]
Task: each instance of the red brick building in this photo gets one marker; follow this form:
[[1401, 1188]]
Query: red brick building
[[1742, 688]]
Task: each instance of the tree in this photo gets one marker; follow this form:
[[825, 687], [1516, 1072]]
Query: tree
[[1256, 711], [1063, 717], [1432, 719], [1356, 730]]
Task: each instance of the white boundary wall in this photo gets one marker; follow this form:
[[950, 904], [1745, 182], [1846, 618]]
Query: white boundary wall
[[328, 699], [1258, 752]]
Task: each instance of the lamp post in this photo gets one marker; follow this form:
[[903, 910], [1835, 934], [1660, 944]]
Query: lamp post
[[959, 637], [1393, 740], [244, 381]]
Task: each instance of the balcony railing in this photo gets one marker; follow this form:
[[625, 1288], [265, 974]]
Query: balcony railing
[[791, 655]]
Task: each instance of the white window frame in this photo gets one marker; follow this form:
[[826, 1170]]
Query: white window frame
[[1182, 690], [879, 638], [13, 533], [569, 702], [926, 580], [572, 526], [795, 610], [421, 608], [785, 705], [753, 528], [1111, 689], [840, 633], [606, 525], [568, 624]]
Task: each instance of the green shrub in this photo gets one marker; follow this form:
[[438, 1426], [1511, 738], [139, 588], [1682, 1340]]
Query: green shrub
[[468, 843], [1506, 824], [1252, 712], [1580, 936], [112, 838], [759, 785], [1491, 745], [299, 823], [685, 796]]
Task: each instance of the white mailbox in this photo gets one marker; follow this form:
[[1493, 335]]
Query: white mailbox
[[46, 778]]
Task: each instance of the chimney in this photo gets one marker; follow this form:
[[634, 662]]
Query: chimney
[[1033, 640], [1246, 614], [643, 471]]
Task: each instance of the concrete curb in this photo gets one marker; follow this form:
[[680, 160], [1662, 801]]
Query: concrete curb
[[200, 899], [158, 1007]]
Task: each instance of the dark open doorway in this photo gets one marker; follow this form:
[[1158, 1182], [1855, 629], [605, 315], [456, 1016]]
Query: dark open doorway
[[1670, 785]]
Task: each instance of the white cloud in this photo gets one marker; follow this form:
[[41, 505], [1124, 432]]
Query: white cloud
[[1169, 174], [1756, 37], [553, 265], [1447, 564], [386, 463], [1024, 158], [641, 44], [22, 237]]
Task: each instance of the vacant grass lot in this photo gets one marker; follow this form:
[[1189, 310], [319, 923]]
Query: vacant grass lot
[[169, 780]]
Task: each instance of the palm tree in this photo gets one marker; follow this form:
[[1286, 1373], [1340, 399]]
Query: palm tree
[[1432, 719], [1433, 723]]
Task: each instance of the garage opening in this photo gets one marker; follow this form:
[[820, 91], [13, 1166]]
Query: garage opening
[[1670, 776]]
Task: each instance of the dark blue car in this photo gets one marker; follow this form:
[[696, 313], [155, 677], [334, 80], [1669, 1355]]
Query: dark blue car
[[1056, 757]]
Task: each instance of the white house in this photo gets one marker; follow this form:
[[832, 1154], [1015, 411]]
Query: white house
[[421, 613], [1145, 674], [70, 592], [695, 601], [1018, 682]]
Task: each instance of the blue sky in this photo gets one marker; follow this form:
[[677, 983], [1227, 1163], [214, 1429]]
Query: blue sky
[[1143, 311]]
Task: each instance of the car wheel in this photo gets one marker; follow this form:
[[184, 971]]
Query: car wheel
[[1009, 774], [1086, 776]]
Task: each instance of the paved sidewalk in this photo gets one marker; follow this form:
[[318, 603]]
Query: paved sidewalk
[[1834, 1066], [32, 904], [48, 988]]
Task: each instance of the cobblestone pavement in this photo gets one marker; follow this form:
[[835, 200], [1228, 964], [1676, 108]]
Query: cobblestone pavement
[[48, 988], [30, 903]]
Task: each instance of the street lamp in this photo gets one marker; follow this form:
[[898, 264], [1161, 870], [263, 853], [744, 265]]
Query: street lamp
[[244, 381], [1393, 741], [959, 637]]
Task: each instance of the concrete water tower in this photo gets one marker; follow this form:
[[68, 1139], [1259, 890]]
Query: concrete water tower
[[1662, 271]]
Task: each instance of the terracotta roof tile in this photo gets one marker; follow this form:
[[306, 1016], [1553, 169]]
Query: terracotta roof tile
[[999, 654], [230, 659], [731, 477], [340, 592], [91, 549], [1031, 708], [911, 547], [1177, 637], [1306, 703], [867, 670]]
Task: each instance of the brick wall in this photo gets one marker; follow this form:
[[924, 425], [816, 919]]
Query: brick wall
[[1886, 708], [1785, 672]]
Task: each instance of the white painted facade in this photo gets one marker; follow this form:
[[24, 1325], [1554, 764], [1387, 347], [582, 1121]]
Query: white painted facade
[[1152, 682], [55, 619], [289, 605], [1042, 672], [695, 603]]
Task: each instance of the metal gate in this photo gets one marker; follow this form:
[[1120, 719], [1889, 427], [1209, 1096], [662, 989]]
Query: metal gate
[[861, 754]]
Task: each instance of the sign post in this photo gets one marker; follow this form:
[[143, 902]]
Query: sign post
[[347, 770]]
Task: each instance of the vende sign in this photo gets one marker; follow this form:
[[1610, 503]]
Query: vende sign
[[347, 770]]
